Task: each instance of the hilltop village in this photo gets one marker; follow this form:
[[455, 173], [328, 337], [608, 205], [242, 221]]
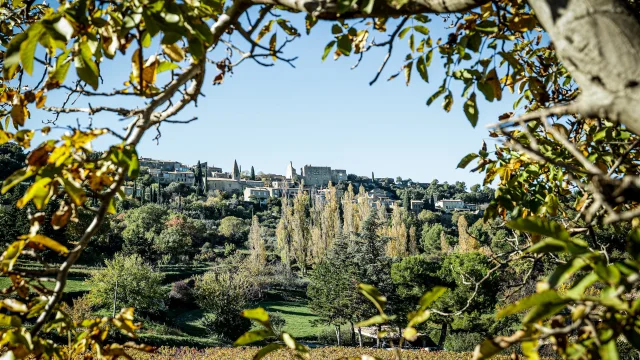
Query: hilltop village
[[314, 180]]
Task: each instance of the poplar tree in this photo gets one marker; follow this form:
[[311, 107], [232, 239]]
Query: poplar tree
[[397, 245], [256, 243], [300, 231], [349, 213], [364, 208], [283, 233]]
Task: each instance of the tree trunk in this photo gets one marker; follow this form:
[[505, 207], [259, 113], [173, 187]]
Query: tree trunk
[[360, 336], [337, 328], [378, 337], [353, 334], [598, 42], [443, 335]]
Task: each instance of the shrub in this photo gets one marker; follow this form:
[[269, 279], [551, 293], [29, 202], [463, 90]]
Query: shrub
[[80, 309], [229, 249], [277, 321], [138, 285], [181, 293], [224, 295]]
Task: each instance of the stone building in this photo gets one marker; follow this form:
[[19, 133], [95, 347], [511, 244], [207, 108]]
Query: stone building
[[316, 176], [231, 182]]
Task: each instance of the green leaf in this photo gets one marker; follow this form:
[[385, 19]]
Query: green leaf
[[421, 66], [563, 272], [196, 48], [12, 55], [367, 6], [374, 320], [64, 28], [16, 178], [487, 27], [86, 68], [404, 32], [471, 109], [327, 49], [541, 298], [448, 102], [466, 160], [266, 350], [430, 296], [28, 47], [436, 95], [61, 68], [166, 66], [418, 317], [344, 45], [540, 312], [407, 72], [609, 350], [579, 288], [428, 58], [253, 336], [258, 314], [487, 90], [75, 191], [421, 29], [542, 226], [547, 245], [336, 29], [10, 320], [371, 293]]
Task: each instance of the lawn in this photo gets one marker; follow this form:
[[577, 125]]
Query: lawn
[[298, 318], [74, 284]]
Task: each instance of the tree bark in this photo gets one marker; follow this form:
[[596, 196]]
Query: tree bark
[[353, 334], [328, 9], [337, 328], [360, 336], [443, 335], [598, 42]]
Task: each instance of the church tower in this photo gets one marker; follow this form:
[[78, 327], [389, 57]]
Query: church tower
[[236, 171], [291, 172]]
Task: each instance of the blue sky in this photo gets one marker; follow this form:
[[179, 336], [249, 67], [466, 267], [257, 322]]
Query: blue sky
[[320, 113]]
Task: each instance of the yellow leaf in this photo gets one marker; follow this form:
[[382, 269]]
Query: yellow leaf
[[150, 71], [10, 255], [39, 192], [492, 79], [19, 113], [50, 243], [410, 334], [14, 305], [174, 52], [75, 191]]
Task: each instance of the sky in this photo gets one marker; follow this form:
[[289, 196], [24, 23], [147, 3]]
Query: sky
[[319, 113]]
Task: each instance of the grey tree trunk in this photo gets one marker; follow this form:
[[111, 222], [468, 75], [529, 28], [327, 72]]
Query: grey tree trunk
[[360, 336], [598, 42], [353, 334], [443, 335], [337, 328]]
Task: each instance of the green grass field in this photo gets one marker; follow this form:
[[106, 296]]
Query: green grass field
[[298, 318], [73, 284]]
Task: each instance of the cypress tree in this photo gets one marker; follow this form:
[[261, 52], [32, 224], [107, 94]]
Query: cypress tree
[[253, 174], [198, 181], [406, 200]]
